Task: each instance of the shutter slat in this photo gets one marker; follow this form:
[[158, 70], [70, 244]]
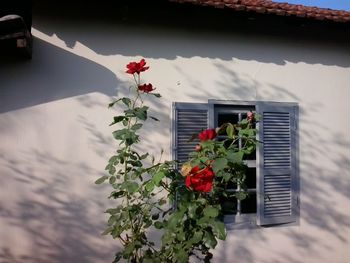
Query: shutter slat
[[277, 162], [189, 120], [280, 141]]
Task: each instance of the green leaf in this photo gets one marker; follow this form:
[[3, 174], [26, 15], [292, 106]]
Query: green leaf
[[244, 122], [247, 132], [229, 130], [107, 231], [156, 94], [144, 156], [210, 240], [118, 257], [180, 235], [154, 118], [241, 195], [192, 210], [175, 218], [131, 187], [219, 164], [111, 220], [181, 256], [126, 135], [157, 178], [136, 126], [149, 186], [204, 159], [211, 211], [112, 103], [112, 179], [126, 101], [118, 134], [117, 194], [117, 119], [249, 149], [113, 159], [113, 211], [101, 179], [112, 170], [227, 176], [197, 237], [235, 157], [219, 230], [141, 113]]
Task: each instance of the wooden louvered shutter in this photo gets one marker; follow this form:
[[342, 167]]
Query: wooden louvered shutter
[[277, 160], [188, 119]]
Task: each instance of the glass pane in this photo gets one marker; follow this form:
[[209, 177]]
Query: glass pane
[[250, 180], [248, 205], [227, 117], [251, 156], [228, 205], [231, 185]]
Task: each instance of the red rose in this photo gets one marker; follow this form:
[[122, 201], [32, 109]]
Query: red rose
[[200, 180], [147, 88], [134, 67], [207, 135]]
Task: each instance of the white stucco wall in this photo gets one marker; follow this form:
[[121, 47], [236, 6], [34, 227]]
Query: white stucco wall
[[55, 139]]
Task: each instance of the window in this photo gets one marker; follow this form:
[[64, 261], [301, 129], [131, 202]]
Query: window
[[272, 176]]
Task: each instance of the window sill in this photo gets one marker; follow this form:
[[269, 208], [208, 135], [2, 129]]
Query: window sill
[[244, 221]]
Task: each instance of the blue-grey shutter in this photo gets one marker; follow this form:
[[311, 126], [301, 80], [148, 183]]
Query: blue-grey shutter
[[188, 119], [277, 185]]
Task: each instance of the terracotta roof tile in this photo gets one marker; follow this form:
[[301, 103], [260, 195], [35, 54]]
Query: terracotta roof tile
[[281, 9]]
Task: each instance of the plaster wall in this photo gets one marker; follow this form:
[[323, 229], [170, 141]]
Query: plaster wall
[[55, 138]]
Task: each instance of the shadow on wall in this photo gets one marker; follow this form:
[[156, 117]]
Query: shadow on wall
[[128, 36], [52, 74], [47, 219], [55, 220]]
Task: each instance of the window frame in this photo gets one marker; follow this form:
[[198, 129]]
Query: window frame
[[238, 221]]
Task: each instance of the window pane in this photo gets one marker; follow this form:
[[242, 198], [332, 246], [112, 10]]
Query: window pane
[[231, 185], [250, 181], [251, 156], [248, 205], [229, 205], [227, 117]]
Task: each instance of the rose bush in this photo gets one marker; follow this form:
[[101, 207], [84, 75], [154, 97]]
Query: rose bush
[[184, 205]]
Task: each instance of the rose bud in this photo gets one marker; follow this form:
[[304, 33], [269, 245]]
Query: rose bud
[[186, 169], [198, 148], [250, 116]]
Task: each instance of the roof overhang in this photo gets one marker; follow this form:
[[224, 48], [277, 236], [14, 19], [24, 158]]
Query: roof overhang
[[280, 9]]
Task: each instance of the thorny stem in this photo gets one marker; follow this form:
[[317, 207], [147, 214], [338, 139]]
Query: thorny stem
[[127, 150]]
